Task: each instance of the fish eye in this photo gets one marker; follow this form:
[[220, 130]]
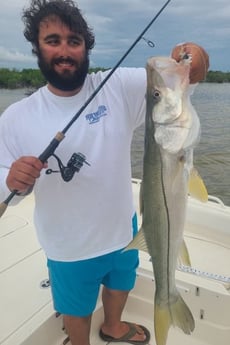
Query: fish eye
[[156, 94]]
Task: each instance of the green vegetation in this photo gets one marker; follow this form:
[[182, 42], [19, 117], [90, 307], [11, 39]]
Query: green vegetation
[[27, 78], [218, 77], [32, 78]]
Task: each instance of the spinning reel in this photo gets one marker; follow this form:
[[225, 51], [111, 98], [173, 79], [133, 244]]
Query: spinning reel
[[74, 165]]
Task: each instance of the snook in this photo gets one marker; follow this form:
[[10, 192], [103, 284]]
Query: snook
[[171, 130]]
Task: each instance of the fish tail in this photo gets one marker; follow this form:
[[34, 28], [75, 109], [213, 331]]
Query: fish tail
[[176, 314]]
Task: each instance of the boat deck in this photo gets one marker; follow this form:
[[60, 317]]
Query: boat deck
[[22, 269], [28, 317]]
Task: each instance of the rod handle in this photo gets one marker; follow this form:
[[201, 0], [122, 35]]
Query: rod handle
[[51, 147]]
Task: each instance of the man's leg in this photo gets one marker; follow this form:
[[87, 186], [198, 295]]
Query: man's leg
[[75, 287], [114, 302], [117, 285], [78, 329]]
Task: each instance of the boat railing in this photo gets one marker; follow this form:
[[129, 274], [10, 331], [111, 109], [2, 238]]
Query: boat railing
[[216, 200]]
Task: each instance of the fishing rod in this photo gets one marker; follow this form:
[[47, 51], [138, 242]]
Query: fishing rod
[[50, 149]]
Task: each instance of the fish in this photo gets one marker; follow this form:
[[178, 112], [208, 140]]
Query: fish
[[172, 130]]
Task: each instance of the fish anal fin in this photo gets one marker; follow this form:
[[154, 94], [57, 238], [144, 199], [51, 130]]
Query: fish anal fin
[[184, 258], [138, 242], [196, 186]]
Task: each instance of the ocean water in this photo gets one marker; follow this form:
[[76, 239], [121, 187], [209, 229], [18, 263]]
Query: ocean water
[[211, 156]]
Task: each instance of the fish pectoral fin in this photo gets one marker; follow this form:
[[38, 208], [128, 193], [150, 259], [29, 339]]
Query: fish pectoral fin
[[183, 258], [196, 186], [138, 242]]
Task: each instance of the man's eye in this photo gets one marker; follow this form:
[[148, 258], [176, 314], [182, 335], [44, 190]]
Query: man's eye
[[74, 42], [52, 42]]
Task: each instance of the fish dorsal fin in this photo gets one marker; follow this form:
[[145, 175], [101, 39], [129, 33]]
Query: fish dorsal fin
[[196, 186], [183, 258], [138, 242]]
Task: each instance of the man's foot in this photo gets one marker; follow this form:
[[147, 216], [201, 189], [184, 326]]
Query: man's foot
[[128, 332]]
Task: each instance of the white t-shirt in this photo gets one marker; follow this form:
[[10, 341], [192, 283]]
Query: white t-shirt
[[92, 214]]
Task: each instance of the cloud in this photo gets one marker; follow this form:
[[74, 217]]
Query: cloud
[[13, 56], [117, 23]]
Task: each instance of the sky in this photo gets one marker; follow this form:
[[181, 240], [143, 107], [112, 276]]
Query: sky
[[118, 23]]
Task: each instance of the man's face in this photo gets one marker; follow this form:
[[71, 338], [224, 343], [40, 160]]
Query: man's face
[[62, 56]]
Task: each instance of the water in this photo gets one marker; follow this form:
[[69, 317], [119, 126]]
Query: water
[[8, 97], [212, 155]]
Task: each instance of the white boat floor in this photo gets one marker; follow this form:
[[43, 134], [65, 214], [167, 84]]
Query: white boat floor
[[174, 336]]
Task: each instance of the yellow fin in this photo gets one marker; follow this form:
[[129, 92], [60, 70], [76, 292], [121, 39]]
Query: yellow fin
[[162, 322], [138, 242], [176, 314], [184, 258], [197, 187]]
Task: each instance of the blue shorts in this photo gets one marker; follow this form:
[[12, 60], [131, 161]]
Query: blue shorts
[[75, 285]]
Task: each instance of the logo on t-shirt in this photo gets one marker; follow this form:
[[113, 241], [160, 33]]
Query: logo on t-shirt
[[95, 117]]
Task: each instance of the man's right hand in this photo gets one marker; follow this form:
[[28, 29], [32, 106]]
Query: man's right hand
[[23, 173]]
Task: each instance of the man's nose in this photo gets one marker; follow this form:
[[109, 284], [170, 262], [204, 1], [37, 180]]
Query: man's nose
[[64, 48]]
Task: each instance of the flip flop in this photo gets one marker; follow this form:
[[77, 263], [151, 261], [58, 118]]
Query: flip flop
[[126, 337]]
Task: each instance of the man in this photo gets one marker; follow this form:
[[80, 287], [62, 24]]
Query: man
[[84, 224]]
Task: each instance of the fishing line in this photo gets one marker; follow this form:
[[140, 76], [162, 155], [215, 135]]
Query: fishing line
[[48, 152]]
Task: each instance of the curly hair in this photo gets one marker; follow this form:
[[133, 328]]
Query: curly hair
[[66, 10]]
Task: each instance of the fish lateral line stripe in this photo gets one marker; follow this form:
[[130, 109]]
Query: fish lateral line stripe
[[168, 231]]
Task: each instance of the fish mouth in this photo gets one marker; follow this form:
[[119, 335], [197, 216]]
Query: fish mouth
[[168, 73]]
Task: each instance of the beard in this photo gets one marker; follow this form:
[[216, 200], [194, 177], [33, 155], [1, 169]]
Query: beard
[[67, 81]]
